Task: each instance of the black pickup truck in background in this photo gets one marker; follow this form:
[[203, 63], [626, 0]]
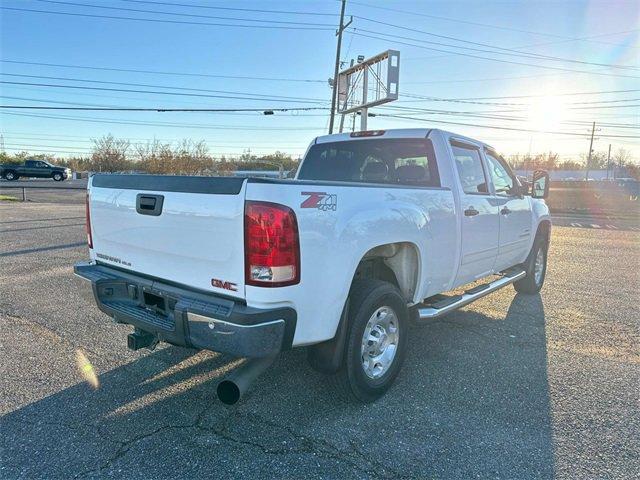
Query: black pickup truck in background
[[34, 169]]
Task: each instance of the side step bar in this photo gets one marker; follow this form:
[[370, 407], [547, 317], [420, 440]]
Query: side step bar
[[443, 304]]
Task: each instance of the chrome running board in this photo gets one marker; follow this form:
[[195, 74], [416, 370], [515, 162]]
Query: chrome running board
[[439, 305]]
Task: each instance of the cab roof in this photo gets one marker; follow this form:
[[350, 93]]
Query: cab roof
[[399, 133]]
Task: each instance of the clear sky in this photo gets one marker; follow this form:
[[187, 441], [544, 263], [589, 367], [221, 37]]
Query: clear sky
[[570, 63]]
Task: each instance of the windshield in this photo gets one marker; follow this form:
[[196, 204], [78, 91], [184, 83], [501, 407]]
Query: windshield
[[400, 161]]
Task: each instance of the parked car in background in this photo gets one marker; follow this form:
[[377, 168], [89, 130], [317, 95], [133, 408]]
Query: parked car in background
[[34, 169]]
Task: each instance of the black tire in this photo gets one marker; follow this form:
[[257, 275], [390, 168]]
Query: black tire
[[11, 176], [57, 177], [530, 284], [365, 298]]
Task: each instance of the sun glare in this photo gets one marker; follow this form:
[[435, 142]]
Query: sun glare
[[546, 113]]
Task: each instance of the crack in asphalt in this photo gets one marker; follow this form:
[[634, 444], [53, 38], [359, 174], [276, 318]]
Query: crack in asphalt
[[353, 456]]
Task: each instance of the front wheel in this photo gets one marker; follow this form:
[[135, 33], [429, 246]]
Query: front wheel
[[536, 268], [376, 341], [57, 177]]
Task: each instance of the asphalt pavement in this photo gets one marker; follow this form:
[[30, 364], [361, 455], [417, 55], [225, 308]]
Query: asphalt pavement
[[513, 386]]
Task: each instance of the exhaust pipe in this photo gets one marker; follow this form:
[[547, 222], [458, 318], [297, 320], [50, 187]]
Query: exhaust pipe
[[235, 386]]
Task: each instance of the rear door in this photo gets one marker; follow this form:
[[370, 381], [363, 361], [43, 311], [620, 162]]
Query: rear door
[[186, 230], [515, 213], [31, 168], [480, 222]]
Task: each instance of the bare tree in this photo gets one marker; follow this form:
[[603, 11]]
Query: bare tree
[[622, 157], [110, 154]]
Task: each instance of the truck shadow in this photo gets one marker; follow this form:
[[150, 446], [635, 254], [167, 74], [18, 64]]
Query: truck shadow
[[472, 400]]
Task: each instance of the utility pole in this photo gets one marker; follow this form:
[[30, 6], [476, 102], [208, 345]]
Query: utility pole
[[608, 161], [593, 131], [334, 93]]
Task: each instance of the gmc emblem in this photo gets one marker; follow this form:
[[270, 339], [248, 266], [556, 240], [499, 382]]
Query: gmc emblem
[[225, 285]]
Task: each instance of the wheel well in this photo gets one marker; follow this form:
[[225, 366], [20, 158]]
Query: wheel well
[[544, 230], [396, 263]]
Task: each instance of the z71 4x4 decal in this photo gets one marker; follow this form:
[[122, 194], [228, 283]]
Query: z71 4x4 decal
[[320, 200]]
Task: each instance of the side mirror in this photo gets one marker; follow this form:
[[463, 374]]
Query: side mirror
[[540, 188]]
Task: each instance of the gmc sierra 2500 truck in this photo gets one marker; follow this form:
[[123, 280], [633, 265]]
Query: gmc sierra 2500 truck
[[372, 233]]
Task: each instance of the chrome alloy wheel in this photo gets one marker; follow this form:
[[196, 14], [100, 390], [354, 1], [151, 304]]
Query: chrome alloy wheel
[[380, 342], [538, 267]]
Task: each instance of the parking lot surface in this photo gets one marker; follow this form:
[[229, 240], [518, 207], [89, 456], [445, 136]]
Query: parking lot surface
[[513, 386]]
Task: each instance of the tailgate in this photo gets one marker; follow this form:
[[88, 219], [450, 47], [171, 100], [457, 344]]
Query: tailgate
[[187, 230]]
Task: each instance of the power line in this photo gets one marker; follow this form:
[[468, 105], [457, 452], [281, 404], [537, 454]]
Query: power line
[[288, 12], [163, 124], [498, 127], [470, 100], [156, 72], [136, 10], [153, 92], [147, 85], [486, 25], [178, 22], [502, 104], [265, 111], [490, 116], [602, 92], [500, 60], [78, 139], [502, 50]]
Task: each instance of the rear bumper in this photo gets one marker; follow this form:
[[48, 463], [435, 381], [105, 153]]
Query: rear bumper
[[186, 317]]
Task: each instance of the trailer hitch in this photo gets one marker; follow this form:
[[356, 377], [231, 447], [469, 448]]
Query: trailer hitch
[[141, 339]]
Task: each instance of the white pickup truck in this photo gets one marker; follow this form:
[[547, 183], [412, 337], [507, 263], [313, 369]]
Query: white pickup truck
[[372, 233]]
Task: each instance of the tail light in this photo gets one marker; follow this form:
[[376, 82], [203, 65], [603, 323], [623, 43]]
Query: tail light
[[88, 222], [271, 246]]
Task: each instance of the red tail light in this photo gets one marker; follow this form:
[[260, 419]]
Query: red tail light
[[88, 222], [271, 246]]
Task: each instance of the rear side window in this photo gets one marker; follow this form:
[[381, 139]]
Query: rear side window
[[469, 166], [401, 161]]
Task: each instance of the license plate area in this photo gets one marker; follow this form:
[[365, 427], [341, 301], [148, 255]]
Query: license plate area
[[154, 303]]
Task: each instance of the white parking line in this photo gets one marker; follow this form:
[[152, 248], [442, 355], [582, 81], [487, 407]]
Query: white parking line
[[612, 227], [595, 225], [579, 225]]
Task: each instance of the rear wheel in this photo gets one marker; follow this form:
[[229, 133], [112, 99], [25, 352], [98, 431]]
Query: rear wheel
[[535, 267], [376, 341], [11, 176]]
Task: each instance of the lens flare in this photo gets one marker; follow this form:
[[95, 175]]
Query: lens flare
[[86, 369]]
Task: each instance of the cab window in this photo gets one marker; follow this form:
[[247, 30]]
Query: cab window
[[503, 181], [399, 161]]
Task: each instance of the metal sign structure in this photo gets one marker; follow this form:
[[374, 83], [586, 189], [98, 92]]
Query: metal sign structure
[[372, 82]]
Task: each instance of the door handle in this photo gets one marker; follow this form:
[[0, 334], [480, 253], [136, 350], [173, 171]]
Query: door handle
[[505, 211], [149, 204], [471, 212]]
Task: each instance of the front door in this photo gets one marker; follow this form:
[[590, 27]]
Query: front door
[[480, 222], [515, 213]]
